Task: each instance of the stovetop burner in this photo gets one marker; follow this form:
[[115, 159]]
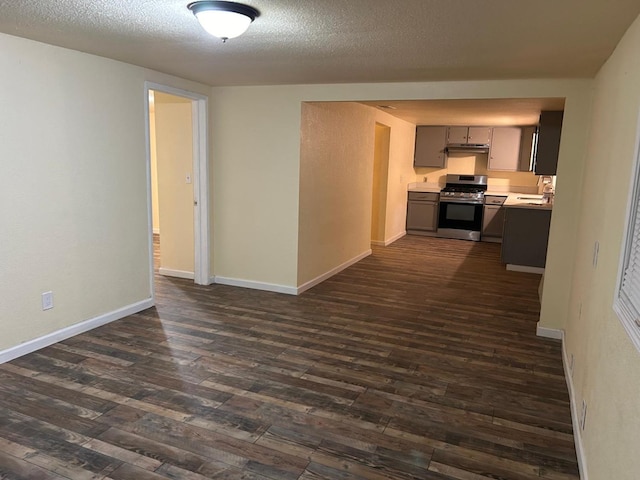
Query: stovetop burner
[[465, 188]]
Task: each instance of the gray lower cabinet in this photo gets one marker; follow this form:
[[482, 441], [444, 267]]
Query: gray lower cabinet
[[422, 213], [525, 237], [492, 223]]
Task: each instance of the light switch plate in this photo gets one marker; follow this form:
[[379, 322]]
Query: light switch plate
[[596, 250]]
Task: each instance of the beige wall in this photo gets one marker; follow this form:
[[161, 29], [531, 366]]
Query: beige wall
[[256, 161], [400, 174], [336, 175], [174, 146], [337, 158], [380, 179], [606, 365], [73, 204], [254, 178]]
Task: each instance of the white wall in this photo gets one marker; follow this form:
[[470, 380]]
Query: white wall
[[73, 188], [606, 365]]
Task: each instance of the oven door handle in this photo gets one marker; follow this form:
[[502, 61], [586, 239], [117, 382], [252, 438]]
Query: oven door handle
[[461, 200]]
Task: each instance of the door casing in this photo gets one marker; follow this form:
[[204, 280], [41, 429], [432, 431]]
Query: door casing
[[200, 180]]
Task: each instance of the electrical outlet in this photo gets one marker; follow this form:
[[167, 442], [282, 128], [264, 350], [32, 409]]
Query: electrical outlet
[[596, 250], [583, 415], [47, 300]]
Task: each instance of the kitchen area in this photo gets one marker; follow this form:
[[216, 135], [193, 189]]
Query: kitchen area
[[489, 183]]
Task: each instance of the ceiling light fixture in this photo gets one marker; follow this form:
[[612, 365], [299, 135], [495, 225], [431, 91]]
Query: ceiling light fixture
[[224, 20]]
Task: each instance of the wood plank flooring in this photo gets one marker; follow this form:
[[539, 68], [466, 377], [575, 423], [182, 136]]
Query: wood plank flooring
[[419, 362]]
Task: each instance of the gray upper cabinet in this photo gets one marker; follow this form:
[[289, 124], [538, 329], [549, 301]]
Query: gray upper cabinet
[[430, 145], [546, 159], [457, 134], [504, 153], [477, 135]]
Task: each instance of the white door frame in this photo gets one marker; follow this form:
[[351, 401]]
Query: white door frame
[[199, 104]]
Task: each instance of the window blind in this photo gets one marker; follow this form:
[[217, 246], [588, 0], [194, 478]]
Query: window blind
[[627, 302]]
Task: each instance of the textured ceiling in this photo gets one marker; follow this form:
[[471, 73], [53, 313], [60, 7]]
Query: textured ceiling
[[339, 41], [493, 112]]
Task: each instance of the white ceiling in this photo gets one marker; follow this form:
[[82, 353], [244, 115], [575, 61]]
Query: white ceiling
[[339, 41]]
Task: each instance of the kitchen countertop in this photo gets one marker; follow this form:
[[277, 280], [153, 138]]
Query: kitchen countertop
[[526, 200], [424, 187], [514, 199]]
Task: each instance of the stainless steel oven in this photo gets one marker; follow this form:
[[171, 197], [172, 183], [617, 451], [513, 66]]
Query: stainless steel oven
[[461, 206]]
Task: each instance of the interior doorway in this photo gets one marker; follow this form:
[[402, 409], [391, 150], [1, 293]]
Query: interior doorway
[[380, 180], [177, 182]]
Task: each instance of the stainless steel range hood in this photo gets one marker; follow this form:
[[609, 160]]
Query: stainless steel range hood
[[467, 148]]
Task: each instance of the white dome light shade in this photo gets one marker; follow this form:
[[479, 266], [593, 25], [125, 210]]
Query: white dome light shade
[[223, 24], [223, 19]]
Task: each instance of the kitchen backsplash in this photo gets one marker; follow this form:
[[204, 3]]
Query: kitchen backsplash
[[498, 181], [491, 187]]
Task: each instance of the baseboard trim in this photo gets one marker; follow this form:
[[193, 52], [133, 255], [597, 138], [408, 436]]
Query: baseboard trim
[[167, 272], [549, 332], [156, 231], [525, 269], [269, 287], [577, 438], [388, 241], [76, 329], [321, 278]]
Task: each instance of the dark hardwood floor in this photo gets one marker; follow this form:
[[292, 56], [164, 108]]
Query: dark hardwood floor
[[419, 362]]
